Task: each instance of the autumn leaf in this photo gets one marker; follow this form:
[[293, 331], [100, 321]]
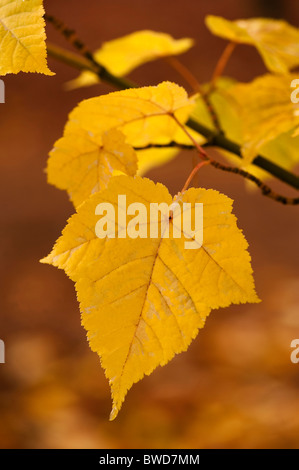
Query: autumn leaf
[[120, 56], [143, 300], [83, 167], [276, 40], [149, 115], [22, 37]]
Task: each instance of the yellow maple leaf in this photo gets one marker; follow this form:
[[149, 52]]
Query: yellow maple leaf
[[149, 115], [83, 167], [144, 299], [22, 37], [120, 56], [276, 40]]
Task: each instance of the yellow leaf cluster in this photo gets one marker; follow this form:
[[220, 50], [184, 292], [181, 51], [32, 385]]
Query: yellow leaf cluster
[[22, 37], [145, 116], [143, 300]]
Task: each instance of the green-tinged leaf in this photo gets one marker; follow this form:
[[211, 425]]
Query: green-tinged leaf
[[266, 111], [230, 107]]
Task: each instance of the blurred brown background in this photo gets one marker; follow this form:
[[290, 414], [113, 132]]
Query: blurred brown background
[[236, 385]]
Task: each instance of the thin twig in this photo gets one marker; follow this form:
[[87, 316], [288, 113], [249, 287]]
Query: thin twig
[[187, 75], [97, 68], [201, 151], [219, 140], [266, 190], [212, 112], [171, 144], [196, 86], [222, 62], [193, 173]]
